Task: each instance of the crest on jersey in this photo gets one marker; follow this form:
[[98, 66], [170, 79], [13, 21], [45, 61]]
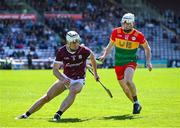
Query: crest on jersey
[[133, 38], [80, 57]]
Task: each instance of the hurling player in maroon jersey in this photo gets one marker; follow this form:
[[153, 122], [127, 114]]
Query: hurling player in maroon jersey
[[72, 57]]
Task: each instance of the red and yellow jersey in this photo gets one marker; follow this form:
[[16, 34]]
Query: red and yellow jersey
[[126, 45]]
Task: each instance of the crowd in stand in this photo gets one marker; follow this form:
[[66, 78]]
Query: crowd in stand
[[19, 35], [99, 18], [173, 22]]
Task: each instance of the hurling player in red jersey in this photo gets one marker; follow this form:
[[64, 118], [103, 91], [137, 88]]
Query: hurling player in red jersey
[[126, 40], [73, 57]]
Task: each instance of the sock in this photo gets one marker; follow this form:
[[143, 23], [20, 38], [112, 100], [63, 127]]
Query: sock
[[28, 113], [59, 112], [135, 100]]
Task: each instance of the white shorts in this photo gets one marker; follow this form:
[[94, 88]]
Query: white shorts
[[81, 81]]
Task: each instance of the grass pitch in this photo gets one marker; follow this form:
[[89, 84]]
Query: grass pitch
[[158, 92]]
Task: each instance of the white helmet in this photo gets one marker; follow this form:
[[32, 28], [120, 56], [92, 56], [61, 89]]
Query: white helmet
[[128, 18], [72, 36]]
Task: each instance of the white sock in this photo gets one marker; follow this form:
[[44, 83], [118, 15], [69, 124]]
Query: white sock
[[25, 115], [136, 102]]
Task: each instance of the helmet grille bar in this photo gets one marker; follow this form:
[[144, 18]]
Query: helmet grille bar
[[71, 35]]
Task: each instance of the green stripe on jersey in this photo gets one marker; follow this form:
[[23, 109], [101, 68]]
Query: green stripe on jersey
[[124, 56]]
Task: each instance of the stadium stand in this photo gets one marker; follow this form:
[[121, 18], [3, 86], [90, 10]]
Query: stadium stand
[[41, 31]]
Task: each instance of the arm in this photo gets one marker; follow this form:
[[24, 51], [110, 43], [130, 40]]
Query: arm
[[58, 74], [94, 66], [147, 50], [107, 51]]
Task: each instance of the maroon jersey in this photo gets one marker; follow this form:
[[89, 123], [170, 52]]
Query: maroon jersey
[[74, 64]]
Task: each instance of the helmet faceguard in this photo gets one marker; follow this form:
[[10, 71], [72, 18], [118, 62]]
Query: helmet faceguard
[[128, 18]]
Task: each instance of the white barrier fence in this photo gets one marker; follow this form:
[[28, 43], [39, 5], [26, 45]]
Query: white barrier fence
[[25, 64]]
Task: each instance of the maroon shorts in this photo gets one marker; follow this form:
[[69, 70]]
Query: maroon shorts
[[120, 69]]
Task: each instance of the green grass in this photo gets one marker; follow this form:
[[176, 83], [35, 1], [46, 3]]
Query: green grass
[[158, 92]]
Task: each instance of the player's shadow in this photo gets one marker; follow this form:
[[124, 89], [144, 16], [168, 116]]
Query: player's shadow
[[121, 117], [70, 120]]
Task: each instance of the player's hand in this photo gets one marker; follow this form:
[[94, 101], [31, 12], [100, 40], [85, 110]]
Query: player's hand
[[98, 61], [67, 82], [101, 58], [149, 66]]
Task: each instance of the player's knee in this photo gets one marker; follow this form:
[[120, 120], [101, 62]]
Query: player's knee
[[129, 82], [46, 98], [75, 91], [78, 91]]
